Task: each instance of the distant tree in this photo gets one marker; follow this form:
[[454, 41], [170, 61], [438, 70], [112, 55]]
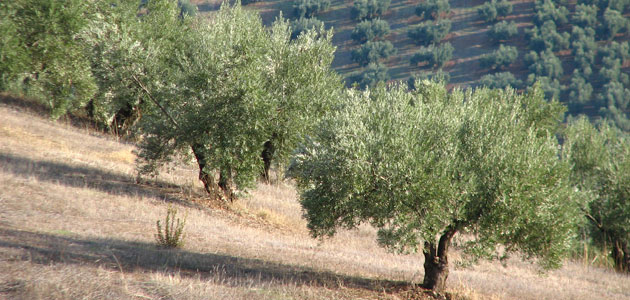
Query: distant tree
[[488, 12], [491, 10], [301, 25], [547, 37], [616, 97], [580, 91], [374, 73], [500, 81], [187, 8], [434, 55], [433, 9], [500, 58], [611, 71], [369, 30], [551, 87], [428, 32], [308, 8], [600, 157], [585, 16], [546, 10], [583, 48], [438, 76], [545, 64], [613, 23], [369, 9], [41, 56], [422, 167], [502, 31], [371, 52]]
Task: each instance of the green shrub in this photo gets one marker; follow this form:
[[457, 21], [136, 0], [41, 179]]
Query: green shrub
[[369, 30], [438, 76], [172, 235], [428, 32]]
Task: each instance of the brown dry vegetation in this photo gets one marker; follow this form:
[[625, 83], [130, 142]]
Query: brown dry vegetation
[[75, 225]]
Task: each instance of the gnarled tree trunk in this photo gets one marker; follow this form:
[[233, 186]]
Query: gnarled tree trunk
[[436, 262], [267, 157], [220, 190], [621, 255]]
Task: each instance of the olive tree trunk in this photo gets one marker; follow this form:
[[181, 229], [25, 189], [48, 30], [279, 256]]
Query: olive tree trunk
[[216, 190], [621, 255], [436, 262], [267, 157]]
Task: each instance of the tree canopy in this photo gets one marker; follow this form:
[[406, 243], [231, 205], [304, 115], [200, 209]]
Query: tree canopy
[[425, 165]]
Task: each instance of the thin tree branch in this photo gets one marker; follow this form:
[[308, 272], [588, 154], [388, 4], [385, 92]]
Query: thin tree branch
[[144, 88]]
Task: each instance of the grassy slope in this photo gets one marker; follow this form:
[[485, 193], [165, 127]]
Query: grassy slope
[[73, 224]]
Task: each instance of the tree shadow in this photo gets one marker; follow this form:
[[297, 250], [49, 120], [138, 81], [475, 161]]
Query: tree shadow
[[91, 178], [128, 256]]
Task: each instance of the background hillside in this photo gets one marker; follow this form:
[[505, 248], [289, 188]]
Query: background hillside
[[588, 73]]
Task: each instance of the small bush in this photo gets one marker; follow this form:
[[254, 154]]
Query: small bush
[[439, 76], [172, 235]]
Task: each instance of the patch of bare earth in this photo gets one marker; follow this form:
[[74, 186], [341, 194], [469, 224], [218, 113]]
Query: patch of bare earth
[[75, 225]]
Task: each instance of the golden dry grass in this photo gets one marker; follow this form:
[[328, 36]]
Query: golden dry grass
[[74, 225]]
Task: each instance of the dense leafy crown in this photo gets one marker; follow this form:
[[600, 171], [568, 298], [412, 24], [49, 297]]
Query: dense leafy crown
[[415, 164]]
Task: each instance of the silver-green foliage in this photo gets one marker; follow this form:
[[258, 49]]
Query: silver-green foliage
[[220, 88], [600, 159], [419, 165], [41, 54]]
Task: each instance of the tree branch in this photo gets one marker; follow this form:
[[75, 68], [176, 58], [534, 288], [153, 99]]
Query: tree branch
[[144, 88]]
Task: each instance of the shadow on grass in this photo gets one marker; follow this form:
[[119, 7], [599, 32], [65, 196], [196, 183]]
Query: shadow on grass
[[126, 256], [89, 177]]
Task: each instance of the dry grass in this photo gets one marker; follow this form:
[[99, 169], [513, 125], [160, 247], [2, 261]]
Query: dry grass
[[74, 225]]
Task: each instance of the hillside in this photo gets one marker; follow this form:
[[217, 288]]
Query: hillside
[[588, 73], [74, 224]]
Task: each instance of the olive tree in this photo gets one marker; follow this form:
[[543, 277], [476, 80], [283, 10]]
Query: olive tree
[[426, 165], [369, 30], [229, 92], [600, 159], [40, 55]]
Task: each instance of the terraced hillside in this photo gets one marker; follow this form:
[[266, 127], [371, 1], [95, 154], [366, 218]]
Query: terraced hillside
[[588, 71]]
